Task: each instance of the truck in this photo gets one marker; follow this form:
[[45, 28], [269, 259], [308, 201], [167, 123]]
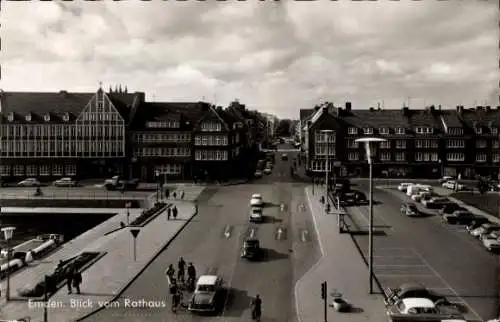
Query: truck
[[116, 183]]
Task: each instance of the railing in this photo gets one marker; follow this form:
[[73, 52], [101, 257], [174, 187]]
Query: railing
[[79, 194]]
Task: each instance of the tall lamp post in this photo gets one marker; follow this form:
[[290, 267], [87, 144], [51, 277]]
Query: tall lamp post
[[7, 234], [157, 176], [371, 144], [327, 133]]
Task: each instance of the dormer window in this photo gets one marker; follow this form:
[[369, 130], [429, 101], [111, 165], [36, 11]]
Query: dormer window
[[383, 130], [368, 130], [66, 117], [28, 117], [46, 117], [10, 117], [400, 130], [494, 130], [479, 130], [352, 131], [424, 130]]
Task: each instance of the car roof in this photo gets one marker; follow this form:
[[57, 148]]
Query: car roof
[[207, 279], [418, 302], [256, 195]]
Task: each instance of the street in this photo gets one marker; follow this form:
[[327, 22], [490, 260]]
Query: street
[[213, 240], [441, 256]]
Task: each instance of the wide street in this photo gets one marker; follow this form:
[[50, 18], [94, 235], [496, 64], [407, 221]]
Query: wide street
[[213, 240], [443, 257]]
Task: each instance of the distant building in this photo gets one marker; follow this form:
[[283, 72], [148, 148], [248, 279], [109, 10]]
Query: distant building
[[271, 124]]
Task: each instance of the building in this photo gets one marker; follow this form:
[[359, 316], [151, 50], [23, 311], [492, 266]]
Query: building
[[271, 124], [96, 135], [429, 142]]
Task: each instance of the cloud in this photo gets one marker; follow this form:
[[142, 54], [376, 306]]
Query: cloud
[[274, 56]]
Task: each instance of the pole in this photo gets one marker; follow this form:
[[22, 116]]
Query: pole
[[7, 296], [370, 232], [135, 249], [45, 300], [325, 302], [157, 188], [326, 166], [128, 216]]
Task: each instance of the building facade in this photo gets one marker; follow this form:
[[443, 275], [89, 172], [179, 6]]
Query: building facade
[[429, 142], [97, 135]]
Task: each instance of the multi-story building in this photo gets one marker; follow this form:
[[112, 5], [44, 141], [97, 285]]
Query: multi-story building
[[430, 142], [94, 135]]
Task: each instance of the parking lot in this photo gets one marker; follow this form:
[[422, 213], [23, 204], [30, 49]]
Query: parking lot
[[443, 257]]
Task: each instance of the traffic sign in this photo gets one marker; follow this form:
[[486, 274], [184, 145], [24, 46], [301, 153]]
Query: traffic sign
[[135, 232]]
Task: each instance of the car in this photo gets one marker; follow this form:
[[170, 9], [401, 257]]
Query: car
[[267, 171], [436, 202], [484, 229], [256, 200], [65, 182], [491, 242], [206, 293], [409, 209], [251, 249], [418, 196], [459, 217], [452, 184], [256, 214], [404, 186], [258, 174], [450, 208], [30, 182], [445, 179], [428, 197], [476, 223], [412, 289], [284, 156]]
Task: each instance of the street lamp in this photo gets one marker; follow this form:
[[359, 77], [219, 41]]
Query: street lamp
[[371, 144], [327, 153], [157, 175], [7, 234]]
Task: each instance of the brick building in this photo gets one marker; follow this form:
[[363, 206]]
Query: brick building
[[429, 142]]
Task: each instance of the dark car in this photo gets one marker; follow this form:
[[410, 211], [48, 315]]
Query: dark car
[[459, 217], [476, 223], [450, 208], [409, 209], [251, 249]]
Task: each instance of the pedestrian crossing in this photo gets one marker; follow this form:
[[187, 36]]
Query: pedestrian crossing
[[278, 233]]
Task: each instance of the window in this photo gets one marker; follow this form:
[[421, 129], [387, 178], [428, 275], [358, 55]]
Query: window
[[211, 126], [10, 117], [455, 131], [455, 143], [426, 156], [352, 144], [353, 156], [322, 137], [44, 170], [400, 130], [427, 144], [368, 130], [383, 130], [481, 157], [31, 170], [323, 149], [424, 130], [455, 156], [495, 144], [479, 130], [494, 131], [385, 144], [5, 170], [352, 131], [400, 144], [57, 170], [385, 156], [28, 118], [70, 169], [481, 144], [496, 157], [400, 156], [18, 170], [66, 117]]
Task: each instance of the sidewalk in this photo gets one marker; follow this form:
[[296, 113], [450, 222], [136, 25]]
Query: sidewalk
[[181, 185], [104, 280], [342, 268]]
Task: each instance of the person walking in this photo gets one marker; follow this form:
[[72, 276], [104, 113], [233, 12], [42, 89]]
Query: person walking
[[170, 272], [191, 276], [174, 194], [182, 194], [77, 280], [256, 308], [69, 280], [174, 212], [169, 213], [167, 193], [181, 267]]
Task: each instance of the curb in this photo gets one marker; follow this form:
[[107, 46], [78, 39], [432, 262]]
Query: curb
[[149, 262]]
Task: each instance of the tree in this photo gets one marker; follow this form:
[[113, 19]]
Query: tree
[[283, 128]]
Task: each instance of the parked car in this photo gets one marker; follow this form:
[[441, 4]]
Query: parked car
[[436, 202], [267, 171], [418, 196], [452, 184], [491, 242], [484, 229], [476, 223], [284, 156], [256, 200], [404, 186], [460, 217], [421, 309], [428, 197], [408, 290], [251, 249], [65, 182], [445, 179], [450, 208], [30, 182], [409, 209], [258, 174], [206, 293], [255, 214]]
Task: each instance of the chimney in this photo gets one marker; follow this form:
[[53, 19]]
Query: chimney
[[406, 110], [479, 108], [372, 109], [488, 109], [64, 93], [348, 106], [460, 109]]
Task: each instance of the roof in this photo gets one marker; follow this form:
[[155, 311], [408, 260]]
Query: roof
[[418, 302], [450, 118], [376, 118], [207, 279], [424, 118], [164, 111], [305, 113], [474, 117]]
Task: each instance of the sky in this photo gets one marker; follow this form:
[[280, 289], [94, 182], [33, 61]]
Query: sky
[[275, 57]]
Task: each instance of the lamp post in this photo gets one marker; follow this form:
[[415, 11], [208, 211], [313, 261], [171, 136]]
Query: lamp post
[[7, 234], [371, 144], [327, 152], [157, 176]]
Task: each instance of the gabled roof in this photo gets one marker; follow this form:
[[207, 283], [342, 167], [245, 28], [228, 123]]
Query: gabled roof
[[376, 118], [306, 113], [424, 118], [164, 111], [473, 117]]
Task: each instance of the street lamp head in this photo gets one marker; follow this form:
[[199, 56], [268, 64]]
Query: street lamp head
[[157, 173], [8, 232], [371, 145]]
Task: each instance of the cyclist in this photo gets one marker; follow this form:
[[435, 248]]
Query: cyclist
[[256, 308]]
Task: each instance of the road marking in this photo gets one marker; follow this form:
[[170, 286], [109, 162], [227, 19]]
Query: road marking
[[304, 236], [227, 231], [471, 310], [394, 256], [392, 248], [252, 233], [399, 265], [403, 275], [378, 216], [280, 233]]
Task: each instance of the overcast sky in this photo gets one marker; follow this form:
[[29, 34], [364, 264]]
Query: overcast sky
[[276, 57]]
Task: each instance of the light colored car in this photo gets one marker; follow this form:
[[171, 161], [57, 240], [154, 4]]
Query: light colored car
[[30, 182], [417, 197], [434, 201], [416, 305], [205, 294], [267, 171], [65, 182], [258, 174], [484, 229], [445, 179], [404, 186], [256, 200], [491, 242], [256, 214], [452, 184]]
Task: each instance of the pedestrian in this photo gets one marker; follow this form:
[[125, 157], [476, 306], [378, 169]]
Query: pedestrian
[[174, 212], [69, 280], [169, 213], [170, 272], [174, 195], [181, 266], [167, 193], [77, 280], [182, 194]]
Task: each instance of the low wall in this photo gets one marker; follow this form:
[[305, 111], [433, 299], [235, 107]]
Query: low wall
[[71, 203]]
